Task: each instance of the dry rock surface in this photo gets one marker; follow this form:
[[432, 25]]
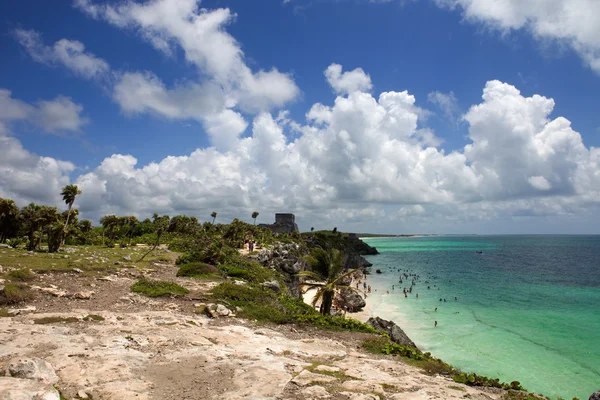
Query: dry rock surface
[[170, 355]]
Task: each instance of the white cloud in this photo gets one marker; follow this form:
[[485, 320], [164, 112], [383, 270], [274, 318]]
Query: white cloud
[[349, 81], [447, 102], [365, 153], [575, 23], [202, 36], [26, 177], [52, 116], [69, 53]]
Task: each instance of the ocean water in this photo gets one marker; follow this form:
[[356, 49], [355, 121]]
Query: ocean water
[[527, 308]]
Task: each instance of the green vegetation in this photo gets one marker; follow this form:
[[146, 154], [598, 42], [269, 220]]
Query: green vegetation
[[15, 293], [199, 270], [55, 320], [433, 366], [22, 275], [327, 274], [152, 288], [264, 305], [4, 313]]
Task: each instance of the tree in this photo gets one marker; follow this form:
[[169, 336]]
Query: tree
[[312, 229], [109, 222], [68, 194], [326, 275], [254, 215], [214, 216], [334, 230], [161, 224], [9, 219]]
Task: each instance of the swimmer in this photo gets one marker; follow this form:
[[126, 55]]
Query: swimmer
[[435, 309], [435, 324]]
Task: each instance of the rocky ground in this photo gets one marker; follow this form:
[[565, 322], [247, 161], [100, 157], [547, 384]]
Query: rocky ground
[[108, 343]]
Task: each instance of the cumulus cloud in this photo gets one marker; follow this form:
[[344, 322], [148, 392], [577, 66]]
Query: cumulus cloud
[[201, 34], [447, 102], [55, 116], [349, 81], [575, 23], [68, 53], [365, 154]]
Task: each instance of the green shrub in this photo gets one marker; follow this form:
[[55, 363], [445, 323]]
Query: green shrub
[[54, 320], [23, 275], [198, 270], [265, 305], [15, 293], [158, 288], [4, 313]]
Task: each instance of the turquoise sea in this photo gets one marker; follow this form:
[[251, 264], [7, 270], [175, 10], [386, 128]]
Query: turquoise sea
[[527, 308]]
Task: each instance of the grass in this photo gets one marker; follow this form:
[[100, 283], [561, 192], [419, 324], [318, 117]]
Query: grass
[[55, 320], [434, 366], [199, 270], [22, 275], [90, 259], [265, 306], [15, 293], [67, 320], [4, 313], [335, 374], [153, 288]]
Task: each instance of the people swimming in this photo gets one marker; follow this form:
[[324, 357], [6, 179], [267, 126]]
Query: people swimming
[[435, 324]]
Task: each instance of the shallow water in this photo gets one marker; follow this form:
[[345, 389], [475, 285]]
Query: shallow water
[[526, 309]]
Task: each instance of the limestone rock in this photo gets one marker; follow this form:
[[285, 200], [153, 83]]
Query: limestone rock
[[83, 295], [364, 386], [127, 258], [26, 389], [360, 396], [397, 335], [82, 394], [315, 392], [54, 291], [351, 299], [77, 270], [305, 378], [595, 396], [31, 368], [273, 285]]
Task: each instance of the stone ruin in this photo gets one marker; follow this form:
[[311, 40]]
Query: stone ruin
[[284, 223]]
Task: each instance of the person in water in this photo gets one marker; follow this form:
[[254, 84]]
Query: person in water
[[435, 309], [435, 324]]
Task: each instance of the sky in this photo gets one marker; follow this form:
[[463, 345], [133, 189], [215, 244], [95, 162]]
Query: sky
[[387, 116]]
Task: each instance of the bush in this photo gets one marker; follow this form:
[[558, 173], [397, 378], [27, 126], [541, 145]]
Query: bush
[[15, 293], [198, 270], [264, 305], [158, 288], [22, 275]]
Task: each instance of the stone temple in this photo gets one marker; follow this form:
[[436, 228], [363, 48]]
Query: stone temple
[[284, 223]]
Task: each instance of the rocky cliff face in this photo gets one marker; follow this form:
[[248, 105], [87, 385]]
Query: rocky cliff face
[[287, 258], [397, 335]]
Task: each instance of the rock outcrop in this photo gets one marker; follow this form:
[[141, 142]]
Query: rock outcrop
[[397, 335], [595, 396], [350, 299], [287, 258], [28, 379]]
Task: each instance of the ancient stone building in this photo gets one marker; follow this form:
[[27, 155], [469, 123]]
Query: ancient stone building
[[284, 223]]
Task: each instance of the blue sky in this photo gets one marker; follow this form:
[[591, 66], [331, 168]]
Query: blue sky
[[446, 50]]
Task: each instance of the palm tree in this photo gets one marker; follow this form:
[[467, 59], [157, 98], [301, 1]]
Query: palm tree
[[326, 276], [161, 224], [254, 215], [312, 229], [68, 194], [214, 216], [9, 223]]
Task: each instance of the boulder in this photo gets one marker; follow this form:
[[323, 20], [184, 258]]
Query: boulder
[[273, 285], [350, 299], [83, 295], [595, 396], [127, 258], [397, 335], [31, 368], [26, 389]]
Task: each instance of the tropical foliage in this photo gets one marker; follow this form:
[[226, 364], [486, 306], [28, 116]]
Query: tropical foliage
[[326, 276]]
